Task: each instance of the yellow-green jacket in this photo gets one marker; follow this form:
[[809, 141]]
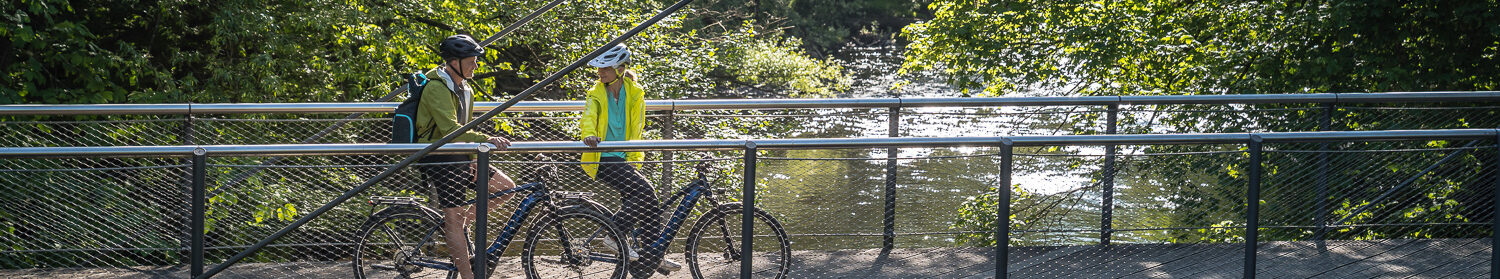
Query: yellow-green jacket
[[437, 115], [595, 121]]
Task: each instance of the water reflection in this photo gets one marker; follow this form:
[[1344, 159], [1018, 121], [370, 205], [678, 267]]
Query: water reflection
[[835, 199], [840, 203]]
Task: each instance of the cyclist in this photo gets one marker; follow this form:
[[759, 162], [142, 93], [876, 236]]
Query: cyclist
[[446, 101], [615, 111]]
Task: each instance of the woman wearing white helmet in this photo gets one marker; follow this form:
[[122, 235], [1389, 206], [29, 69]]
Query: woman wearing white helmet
[[615, 111]]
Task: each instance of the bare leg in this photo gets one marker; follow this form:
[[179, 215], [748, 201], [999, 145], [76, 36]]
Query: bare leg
[[498, 182], [455, 219], [458, 244]]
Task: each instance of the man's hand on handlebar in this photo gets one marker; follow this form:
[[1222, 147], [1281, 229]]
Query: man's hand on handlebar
[[499, 142]]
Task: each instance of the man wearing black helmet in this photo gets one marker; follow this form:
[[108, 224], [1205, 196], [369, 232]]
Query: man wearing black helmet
[[447, 102]]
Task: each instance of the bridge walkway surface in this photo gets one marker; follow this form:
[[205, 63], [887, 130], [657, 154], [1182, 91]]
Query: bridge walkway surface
[[1395, 258]]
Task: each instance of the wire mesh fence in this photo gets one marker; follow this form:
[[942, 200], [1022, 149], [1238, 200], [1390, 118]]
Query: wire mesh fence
[[135, 130], [93, 212], [1326, 209], [1386, 200]]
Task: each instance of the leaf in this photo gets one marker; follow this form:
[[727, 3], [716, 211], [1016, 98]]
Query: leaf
[[505, 126]]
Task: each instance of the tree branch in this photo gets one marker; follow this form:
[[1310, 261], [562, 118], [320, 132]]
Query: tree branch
[[430, 22]]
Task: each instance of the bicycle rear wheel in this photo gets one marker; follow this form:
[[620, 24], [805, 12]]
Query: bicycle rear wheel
[[402, 242], [714, 248], [571, 244]]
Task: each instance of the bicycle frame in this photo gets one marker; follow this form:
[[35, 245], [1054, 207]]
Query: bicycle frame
[[513, 226], [689, 196], [539, 195]]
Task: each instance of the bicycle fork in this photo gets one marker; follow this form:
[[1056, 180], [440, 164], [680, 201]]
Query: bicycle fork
[[730, 252]]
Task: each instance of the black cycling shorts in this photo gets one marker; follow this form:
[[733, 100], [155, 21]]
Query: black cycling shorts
[[447, 182]]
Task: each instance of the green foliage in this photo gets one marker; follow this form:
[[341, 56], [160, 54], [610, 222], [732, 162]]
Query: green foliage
[[342, 50], [1226, 231], [131, 212], [1210, 47], [782, 65], [319, 51], [980, 214], [822, 26]]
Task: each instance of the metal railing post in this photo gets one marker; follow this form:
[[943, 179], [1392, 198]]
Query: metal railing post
[[200, 178], [747, 222], [668, 131], [1495, 217], [481, 212], [1002, 210], [890, 182], [1252, 207], [1106, 222], [185, 137], [1322, 198], [187, 130]]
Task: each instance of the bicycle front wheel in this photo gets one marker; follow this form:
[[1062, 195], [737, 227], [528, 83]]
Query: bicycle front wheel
[[402, 242], [571, 243], [714, 249]]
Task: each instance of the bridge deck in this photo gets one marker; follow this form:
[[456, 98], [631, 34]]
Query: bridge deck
[[1430, 258]]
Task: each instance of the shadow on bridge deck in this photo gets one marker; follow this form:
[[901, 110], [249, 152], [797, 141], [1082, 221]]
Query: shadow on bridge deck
[[1404, 258]]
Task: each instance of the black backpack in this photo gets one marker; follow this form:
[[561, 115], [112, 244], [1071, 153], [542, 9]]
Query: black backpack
[[404, 119]]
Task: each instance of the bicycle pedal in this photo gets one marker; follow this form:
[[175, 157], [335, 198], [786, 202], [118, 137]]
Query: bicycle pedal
[[663, 270]]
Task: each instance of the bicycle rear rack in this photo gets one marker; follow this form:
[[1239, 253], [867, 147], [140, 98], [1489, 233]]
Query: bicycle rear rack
[[564, 195], [412, 201]]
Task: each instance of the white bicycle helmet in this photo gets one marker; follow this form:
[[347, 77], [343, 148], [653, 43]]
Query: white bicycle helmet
[[616, 56]]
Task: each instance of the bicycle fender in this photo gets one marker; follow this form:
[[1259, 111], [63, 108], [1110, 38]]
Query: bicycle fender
[[719, 210], [392, 210], [585, 203]]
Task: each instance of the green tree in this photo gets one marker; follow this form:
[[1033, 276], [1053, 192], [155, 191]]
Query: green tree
[[822, 26], [1214, 47], [1210, 47], [60, 51], [329, 50]]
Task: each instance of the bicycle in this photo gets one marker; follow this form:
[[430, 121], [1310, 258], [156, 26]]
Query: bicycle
[[711, 248], [405, 239]]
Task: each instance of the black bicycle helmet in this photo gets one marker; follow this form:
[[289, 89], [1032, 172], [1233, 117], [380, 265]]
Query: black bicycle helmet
[[459, 47]]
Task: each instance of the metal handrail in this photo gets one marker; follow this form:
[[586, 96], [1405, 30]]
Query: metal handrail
[[737, 144], [225, 150], [679, 105]]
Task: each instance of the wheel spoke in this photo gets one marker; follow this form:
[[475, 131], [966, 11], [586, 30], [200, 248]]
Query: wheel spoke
[[721, 258], [400, 246], [393, 246], [557, 250]]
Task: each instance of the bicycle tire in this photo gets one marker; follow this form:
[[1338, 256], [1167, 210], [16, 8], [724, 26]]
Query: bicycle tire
[[562, 226], [415, 232], [713, 222]]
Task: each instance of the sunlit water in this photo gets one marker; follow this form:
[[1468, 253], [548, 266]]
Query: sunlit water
[[841, 204]]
